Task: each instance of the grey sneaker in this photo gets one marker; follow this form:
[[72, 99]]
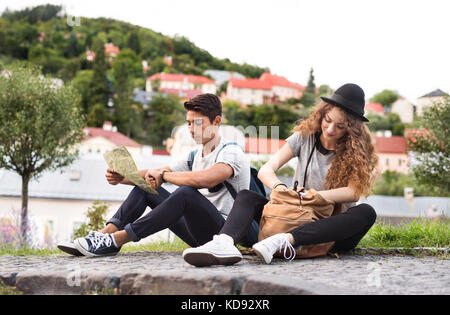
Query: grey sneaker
[[219, 251], [70, 248]]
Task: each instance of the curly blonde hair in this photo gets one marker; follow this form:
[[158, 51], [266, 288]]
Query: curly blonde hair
[[355, 163]]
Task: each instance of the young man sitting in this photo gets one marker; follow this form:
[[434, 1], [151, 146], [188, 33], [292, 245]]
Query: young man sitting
[[197, 210]]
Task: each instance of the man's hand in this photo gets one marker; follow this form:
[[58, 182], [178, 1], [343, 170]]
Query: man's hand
[[153, 178], [113, 178]]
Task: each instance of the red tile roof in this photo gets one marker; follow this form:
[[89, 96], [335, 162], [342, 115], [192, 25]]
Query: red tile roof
[[277, 80], [115, 137], [262, 145], [179, 77], [250, 84], [376, 107], [394, 144]]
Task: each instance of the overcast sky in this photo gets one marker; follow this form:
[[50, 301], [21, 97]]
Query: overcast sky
[[396, 44]]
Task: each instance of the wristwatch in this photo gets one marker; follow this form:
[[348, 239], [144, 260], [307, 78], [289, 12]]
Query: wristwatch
[[161, 175]]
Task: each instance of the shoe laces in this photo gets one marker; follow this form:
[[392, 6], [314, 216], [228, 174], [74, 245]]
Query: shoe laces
[[283, 245], [98, 239]]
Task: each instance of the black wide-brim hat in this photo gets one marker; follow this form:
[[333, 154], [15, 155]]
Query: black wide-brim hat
[[350, 97]]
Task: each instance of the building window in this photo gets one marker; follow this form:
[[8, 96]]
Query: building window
[[387, 161]]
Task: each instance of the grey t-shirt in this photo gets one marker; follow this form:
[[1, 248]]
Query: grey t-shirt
[[234, 156], [318, 167]]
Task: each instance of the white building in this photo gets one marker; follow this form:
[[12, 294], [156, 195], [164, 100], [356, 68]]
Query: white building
[[429, 99], [184, 82], [405, 110], [249, 91]]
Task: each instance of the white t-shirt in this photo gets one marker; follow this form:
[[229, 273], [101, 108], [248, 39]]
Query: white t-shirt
[[232, 155]]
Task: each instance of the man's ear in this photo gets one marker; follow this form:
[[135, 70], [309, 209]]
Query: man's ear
[[217, 120]]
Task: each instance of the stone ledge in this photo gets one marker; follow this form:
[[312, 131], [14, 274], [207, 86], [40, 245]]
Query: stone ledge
[[164, 283]]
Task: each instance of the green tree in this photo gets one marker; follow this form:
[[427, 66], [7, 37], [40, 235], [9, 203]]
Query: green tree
[[311, 86], [325, 90], [97, 116], [234, 114], [98, 88], [132, 60], [222, 88], [167, 112], [47, 58], [82, 82], [309, 94], [134, 42], [72, 48], [70, 69], [431, 145], [385, 97], [123, 99], [391, 122], [39, 126]]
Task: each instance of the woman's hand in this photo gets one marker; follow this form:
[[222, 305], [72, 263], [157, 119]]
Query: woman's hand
[[112, 177]]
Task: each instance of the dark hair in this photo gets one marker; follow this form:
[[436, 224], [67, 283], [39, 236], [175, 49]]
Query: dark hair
[[206, 104]]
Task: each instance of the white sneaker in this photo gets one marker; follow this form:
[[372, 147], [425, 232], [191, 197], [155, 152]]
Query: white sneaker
[[219, 251], [269, 246]]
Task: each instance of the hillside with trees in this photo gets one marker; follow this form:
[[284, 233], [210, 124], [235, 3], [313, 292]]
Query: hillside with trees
[[42, 36]]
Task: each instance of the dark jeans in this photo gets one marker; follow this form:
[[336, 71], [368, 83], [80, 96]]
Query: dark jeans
[[345, 229], [186, 212]]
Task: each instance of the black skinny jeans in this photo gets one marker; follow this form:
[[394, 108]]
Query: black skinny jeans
[[345, 229], [186, 212]]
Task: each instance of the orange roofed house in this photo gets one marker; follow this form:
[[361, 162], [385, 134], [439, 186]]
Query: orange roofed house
[[111, 52], [268, 88], [101, 140], [184, 85], [392, 154]]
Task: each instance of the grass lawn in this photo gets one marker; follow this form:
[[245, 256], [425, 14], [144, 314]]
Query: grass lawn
[[418, 233]]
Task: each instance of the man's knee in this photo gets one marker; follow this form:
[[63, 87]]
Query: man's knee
[[185, 191]]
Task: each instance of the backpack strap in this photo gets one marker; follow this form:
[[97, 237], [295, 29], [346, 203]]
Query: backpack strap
[[309, 161], [191, 157], [230, 188], [226, 144]]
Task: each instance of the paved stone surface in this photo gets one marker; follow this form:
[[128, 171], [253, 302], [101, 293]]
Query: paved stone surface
[[168, 273]]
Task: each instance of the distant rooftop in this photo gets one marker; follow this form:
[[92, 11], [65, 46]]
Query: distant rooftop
[[115, 137], [436, 93], [221, 76], [179, 77]]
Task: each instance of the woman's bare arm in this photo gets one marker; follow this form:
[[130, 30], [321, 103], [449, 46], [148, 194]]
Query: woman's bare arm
[[267, 172], [339, 195]]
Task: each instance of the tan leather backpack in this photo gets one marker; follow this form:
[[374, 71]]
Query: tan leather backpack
[[291, 208]]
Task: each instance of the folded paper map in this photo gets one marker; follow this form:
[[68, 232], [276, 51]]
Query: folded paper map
[[121, 161]]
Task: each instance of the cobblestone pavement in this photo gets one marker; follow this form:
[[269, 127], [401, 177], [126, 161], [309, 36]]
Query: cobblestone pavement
[[354, 274]]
